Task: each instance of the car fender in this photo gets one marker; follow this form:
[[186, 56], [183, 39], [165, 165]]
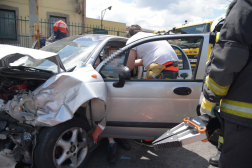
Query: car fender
[[60, 96]]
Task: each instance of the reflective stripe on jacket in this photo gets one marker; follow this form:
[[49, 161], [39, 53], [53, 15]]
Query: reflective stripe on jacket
[[221, 140], [237, 108]]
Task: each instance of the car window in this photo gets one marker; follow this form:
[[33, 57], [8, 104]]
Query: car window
[[185, 71], [191, 47], [183, 63], [202, 28], [113, 67]]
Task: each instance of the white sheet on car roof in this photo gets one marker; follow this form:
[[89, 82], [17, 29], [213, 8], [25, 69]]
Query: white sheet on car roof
[[34, 53], [6, 50]]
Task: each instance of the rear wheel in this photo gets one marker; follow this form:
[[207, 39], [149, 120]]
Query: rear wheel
[[64, 145]]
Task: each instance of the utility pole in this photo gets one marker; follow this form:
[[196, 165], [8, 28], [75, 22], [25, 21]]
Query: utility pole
[[34, 22], [103, 13], [83, 16]]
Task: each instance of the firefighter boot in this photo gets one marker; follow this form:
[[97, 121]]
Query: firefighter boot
[[214, 160]]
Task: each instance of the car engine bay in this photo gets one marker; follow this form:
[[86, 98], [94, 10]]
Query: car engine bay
[[16, 106]]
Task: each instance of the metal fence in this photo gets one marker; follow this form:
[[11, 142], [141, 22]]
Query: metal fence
[[16, 30]]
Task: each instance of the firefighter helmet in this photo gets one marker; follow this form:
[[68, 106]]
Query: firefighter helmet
[[60, 25]]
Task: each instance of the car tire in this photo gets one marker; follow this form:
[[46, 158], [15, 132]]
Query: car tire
[[65, 144]]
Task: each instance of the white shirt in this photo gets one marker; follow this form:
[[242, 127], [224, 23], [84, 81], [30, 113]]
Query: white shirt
[[158, 52]]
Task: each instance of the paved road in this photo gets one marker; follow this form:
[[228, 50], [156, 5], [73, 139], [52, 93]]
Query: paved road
[[195, 155]]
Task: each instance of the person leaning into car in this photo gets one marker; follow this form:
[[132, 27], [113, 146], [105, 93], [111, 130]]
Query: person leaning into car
[[158, 56]]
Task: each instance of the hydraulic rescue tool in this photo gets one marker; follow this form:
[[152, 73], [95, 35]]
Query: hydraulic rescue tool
[[192, 129]]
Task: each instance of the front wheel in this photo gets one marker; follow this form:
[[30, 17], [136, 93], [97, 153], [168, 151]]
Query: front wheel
[[64, 145]]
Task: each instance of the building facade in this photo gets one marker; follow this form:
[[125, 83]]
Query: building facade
[[14, 20]]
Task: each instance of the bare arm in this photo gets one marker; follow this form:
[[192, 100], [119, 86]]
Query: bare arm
[[131, 59], [139, 62]]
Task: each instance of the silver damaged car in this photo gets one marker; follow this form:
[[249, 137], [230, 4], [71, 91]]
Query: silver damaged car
[[56, 102]]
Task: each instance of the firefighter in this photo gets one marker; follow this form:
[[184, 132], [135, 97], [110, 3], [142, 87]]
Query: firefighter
[[59, 32], [228, 83]]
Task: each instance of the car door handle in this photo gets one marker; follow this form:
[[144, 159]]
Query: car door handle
[[184, 75], [182, 91]]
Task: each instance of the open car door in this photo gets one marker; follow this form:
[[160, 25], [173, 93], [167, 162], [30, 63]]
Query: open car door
[[145, 108]]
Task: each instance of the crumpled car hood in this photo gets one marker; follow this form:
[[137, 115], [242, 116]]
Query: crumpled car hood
[[11, 53], [56, 100]]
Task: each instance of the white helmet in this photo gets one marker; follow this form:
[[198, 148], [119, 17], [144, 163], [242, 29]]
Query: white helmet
[[217, 20]]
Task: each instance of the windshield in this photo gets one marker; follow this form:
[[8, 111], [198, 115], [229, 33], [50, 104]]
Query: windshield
[[186, 43], [202, 28], [73, 51]]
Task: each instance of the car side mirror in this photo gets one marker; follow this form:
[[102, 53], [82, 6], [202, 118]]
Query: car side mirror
[[184, 75], [123, 76]]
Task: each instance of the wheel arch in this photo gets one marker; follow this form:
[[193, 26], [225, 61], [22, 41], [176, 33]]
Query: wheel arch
[[93, 111]]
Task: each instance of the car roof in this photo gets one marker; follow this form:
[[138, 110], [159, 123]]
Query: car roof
[[95, 37], [101, 36]]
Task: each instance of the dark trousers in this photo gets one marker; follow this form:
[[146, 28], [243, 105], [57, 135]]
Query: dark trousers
[[237, 148]]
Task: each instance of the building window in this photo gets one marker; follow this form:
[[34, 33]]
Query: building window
[[8, 25], [54, 19]]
